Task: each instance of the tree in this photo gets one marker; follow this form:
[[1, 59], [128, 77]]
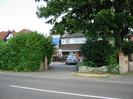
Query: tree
[[106, 18]]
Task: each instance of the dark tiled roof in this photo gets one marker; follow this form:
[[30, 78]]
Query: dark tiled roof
[[75, 35], [70, 47]]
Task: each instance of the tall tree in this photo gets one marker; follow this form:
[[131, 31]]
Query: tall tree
[[92, 17]]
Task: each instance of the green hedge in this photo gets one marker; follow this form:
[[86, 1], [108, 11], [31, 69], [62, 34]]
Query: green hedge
[[96, 52], [25, 51]]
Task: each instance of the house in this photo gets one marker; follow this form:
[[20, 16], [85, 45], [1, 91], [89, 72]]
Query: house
[[6, 35], [24, 31], [70, 44]]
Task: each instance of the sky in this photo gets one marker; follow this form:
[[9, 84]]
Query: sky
[[21, 14]]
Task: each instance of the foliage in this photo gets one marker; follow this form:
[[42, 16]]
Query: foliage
[[127, 47], [93, 17], [100, 53], [96, 52], [25, 52], [1, 42], [112, 61], [90, 63], [108, 18]]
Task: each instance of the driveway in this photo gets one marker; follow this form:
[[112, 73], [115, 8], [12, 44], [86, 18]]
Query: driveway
[[58, 70], [57, 67]]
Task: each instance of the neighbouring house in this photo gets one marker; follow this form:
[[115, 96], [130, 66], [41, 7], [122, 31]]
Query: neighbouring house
[[5, 35], [24, 31], [70, 44]]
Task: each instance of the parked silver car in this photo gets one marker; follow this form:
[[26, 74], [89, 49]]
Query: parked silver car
[[72, 59]]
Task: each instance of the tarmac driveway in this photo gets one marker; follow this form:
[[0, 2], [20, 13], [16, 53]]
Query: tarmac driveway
[[61, 69]]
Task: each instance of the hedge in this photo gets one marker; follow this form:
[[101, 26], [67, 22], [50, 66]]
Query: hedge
[[25, 52], [96, 52]]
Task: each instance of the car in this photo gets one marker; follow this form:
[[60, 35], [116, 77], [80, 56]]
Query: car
[[72, 59]]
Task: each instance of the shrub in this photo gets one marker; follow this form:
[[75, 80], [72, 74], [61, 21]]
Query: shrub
[[127, 47], [96, 52], [25, 51], [113, 66]]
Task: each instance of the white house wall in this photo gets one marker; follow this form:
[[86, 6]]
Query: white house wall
[[73, 40], [9, 36]]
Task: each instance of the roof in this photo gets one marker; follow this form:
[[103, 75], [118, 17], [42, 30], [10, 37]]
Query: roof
[[70, 46], [24, 31], [13, 32], [75, 35], [4, 34]]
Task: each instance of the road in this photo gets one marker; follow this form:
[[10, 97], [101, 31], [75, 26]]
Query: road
[[46, 86]]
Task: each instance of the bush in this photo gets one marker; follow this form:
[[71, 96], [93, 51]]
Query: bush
[[25, 51], [96, 52], [127, 47], [113, 66]]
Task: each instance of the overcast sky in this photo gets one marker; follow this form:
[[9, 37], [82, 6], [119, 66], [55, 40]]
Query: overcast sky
[[21, 14]]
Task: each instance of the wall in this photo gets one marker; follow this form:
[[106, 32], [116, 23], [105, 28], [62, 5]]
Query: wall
[[73, 40]]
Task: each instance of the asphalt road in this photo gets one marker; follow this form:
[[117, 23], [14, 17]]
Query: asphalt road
[[33, 86]]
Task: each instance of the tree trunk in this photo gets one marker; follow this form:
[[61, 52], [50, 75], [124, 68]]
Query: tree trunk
[[118, 40]]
